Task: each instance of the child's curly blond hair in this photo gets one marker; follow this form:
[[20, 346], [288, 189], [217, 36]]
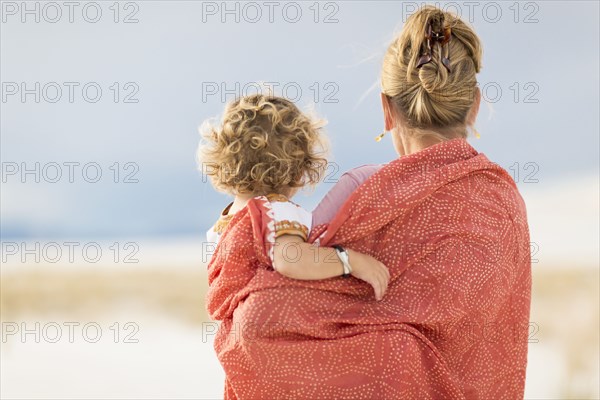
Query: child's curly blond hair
[[263, 145]]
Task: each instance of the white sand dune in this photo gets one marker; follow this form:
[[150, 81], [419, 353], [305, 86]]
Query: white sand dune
[[168, 362], [564, 221]]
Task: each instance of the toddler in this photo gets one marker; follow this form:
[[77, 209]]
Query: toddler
[[263, 151]]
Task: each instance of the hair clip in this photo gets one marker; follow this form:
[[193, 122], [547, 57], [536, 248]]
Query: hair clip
[[443, 40]]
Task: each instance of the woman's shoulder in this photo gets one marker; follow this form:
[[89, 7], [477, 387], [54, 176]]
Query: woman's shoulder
[[337, 196], [360, 174]]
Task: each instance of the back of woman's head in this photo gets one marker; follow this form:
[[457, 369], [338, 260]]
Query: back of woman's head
[[431, 96]]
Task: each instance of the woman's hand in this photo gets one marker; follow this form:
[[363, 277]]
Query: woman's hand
[[368, 269]]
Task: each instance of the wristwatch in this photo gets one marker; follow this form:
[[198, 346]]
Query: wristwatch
[[345, 259]]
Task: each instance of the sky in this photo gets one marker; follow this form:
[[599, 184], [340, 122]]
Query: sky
[[101, 104]]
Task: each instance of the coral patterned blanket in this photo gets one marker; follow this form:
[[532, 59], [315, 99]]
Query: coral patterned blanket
[[451, 226]]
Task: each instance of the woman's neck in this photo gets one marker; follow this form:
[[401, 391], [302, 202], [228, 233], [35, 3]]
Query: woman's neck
[[418, 140], [413, 145]]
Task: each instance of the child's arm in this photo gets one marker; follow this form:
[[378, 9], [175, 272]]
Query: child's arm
[[296, 259]]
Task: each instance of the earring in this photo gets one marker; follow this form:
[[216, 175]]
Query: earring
[[379, 137], [474, 131]]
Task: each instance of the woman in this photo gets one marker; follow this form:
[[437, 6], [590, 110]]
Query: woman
[[449, 224]]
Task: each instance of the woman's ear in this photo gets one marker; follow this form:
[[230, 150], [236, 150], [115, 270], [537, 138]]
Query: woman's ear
[[472, 116], [387, 112]]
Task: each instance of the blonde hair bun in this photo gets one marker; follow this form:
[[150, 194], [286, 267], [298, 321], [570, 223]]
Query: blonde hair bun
[[430, 96]]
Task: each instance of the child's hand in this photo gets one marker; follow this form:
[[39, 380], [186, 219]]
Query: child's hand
[[368, 269]]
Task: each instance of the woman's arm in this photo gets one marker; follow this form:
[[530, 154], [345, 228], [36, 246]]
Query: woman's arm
[[296, 259]]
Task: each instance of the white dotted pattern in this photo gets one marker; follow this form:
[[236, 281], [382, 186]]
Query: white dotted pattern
[[451, 226]]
